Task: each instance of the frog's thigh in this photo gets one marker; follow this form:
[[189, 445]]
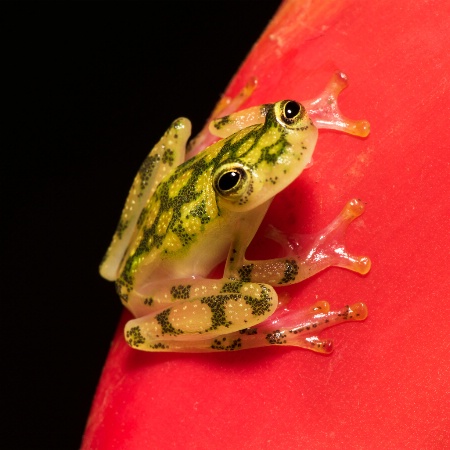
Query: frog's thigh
[[237, 306]]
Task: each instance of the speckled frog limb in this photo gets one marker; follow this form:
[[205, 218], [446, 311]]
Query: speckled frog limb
[[183, 218]]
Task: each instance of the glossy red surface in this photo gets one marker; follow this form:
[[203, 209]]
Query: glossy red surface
[[386, 384]]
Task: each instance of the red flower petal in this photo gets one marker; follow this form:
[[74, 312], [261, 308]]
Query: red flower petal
[[385, 386]]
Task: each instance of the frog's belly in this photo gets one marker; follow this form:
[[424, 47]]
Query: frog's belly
[[195, 266], [197, 262]]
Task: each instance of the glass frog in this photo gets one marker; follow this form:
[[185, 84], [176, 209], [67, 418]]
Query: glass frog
[[183, 217]]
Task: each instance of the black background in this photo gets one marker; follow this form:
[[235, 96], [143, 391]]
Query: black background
[[87, 90]]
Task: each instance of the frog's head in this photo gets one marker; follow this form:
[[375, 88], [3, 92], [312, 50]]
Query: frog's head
[[259, 161]]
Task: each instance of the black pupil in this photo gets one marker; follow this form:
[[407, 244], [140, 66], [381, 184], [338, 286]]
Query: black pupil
[[229, 180], [291, 109]]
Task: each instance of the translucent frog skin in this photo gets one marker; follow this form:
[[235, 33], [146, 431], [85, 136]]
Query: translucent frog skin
[[182, 218]]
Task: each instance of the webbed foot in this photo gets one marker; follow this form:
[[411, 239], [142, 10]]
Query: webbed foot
[[326, 248]]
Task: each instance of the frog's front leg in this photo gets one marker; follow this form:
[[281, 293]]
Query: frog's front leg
[[190, 316], [326, 250]]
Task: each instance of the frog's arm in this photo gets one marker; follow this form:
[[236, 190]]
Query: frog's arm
[[226, 126], [225, 106], [326, 250], [163, 159], [324, 112]]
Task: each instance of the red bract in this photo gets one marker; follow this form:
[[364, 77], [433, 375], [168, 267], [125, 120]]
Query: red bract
[[385, 384]]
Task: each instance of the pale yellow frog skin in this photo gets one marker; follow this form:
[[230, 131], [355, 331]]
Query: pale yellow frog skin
[[182, 218]]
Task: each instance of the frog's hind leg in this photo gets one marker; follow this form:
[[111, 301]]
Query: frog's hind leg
[[193, 323], [299, 328]]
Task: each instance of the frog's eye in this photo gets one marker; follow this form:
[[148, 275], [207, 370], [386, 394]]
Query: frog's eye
[[231, 180], [291, 112], [291, 109]]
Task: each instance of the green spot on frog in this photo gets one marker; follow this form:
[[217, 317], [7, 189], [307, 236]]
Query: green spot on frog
[[168, 157], [260, 305], [134, 337], [200, 212], [290, 272], [166, 327], [232, 286], [277, 337], [180, 291], [245, 272], [235, 344], [217, 305], [121, 227], [220, 123], [146, 170]]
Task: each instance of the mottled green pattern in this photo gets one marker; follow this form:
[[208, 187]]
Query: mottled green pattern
[[146, 170], [239, 148], [168, 152], [200, 212]]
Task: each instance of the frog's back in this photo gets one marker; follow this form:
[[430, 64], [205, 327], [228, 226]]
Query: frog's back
[[189, 222], [178, 227]]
